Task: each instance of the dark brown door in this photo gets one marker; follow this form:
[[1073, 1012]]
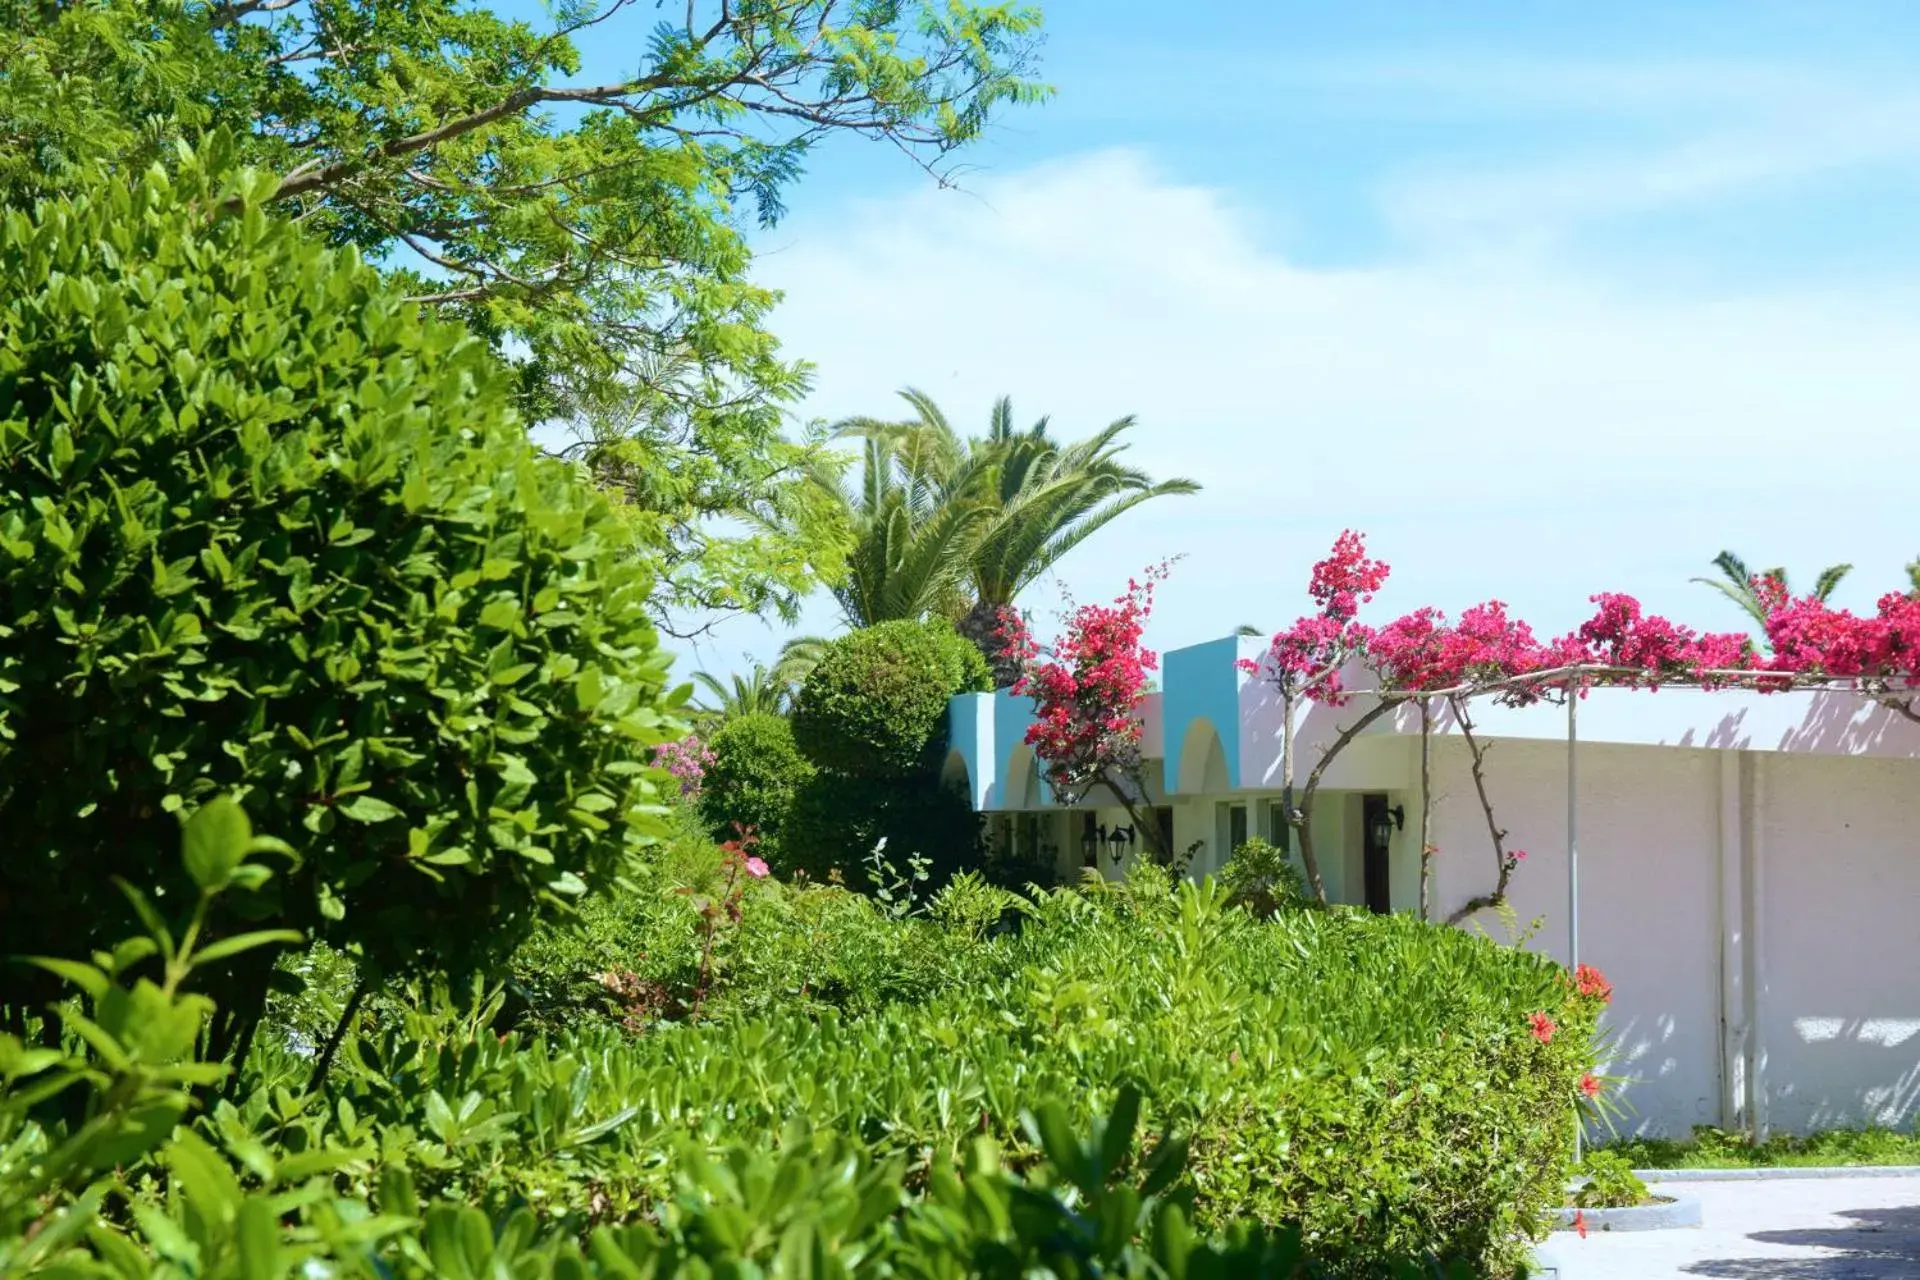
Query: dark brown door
[[1373, 815]]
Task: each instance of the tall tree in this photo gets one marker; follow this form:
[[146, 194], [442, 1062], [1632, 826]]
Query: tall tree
[[592, 228], [1736, 583], [1000, 509], [915, 522]]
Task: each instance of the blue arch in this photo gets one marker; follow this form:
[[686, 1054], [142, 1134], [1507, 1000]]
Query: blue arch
[[1201, 683]]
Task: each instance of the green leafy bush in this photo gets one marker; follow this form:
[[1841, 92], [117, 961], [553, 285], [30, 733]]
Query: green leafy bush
[[755, 774], [1608, 1182], [286, 1185], [1261, 877], [875, 706], [266, 531], [1336, 1094], [1381, 1085], [836, 822]]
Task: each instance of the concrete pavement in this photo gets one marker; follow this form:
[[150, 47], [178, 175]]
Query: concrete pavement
[[1775, 1229]]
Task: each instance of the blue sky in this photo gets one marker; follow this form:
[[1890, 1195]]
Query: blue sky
[[1548, 299]]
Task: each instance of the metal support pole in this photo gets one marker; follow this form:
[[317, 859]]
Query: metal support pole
[[1573, 852]]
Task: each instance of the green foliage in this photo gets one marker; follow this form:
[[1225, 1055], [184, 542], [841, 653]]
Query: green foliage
[[1609, 1182], [592, 233], [756, 772], [1261, 877], [1711, 1148], [954, 526], [875, 704], [836, 822], [264, 531], [911, 1142], [1333, 1072], [127, 1058]]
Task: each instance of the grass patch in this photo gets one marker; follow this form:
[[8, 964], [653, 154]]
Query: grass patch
[[1711, 1148]]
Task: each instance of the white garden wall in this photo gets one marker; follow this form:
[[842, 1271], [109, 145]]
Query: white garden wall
[[1756, 912]]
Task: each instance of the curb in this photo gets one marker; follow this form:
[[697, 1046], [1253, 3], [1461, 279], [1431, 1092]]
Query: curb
[[1666, 1213], [1773, 1172]]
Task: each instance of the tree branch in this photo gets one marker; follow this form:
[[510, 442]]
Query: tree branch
[[225, 15], [1478, 755], [1301, 818]]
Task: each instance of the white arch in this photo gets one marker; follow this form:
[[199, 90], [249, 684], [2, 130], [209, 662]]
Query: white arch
[[1203, 760]]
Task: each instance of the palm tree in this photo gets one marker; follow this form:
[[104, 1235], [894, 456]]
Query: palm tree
[[974, 522], [916, 514], [754, 693], [762, 690], [1736, 584]]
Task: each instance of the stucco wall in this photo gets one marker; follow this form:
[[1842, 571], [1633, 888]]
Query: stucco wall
[[1839, 842], [1649, 896]]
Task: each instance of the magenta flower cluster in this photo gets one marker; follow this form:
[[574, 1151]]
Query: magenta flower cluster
[[1487, 651], [687, 760]]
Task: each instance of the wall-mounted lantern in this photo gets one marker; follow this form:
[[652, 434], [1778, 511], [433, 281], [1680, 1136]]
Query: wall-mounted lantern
[[1118, 840], [1385, 823]]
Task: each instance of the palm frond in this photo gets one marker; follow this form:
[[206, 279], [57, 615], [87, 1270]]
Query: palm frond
[[1830, 577]]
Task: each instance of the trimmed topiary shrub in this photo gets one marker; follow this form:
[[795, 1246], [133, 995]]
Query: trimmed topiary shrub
[[876, 704], [264, 530], [755, 773]]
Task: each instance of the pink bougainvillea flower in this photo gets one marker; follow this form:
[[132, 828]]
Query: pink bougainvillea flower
[[1589, 1085], [1519, 855], [757, 868], [1543, 1027]]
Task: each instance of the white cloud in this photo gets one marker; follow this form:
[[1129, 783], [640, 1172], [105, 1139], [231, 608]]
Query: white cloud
[[1504, 426]]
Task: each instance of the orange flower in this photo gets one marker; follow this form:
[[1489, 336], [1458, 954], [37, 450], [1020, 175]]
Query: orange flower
[[1543, 1027], [1589, 1085], [1580, 1223], [1593, 984]]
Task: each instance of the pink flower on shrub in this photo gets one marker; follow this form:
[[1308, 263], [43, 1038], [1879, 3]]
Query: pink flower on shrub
[[756, 867], [1589, 1085], [1543, 1027], [687, 760]]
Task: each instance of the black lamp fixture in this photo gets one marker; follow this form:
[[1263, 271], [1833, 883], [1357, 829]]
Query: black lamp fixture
[[1119, 839], [1386, 822]]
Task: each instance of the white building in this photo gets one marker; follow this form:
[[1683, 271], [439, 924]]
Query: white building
[[1749, 864]]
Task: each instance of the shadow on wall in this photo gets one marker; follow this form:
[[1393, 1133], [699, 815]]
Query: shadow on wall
[[1644, 1056], [1880, 1055], [1835, 724], [1872, 1244]]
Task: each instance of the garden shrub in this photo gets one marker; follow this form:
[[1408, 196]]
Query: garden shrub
[[751, 781], [1385, 1087], [280, 1186], [1351, 1089], [876, 704], [807, 945], [1262, 878], [265, 530], [836, 822]]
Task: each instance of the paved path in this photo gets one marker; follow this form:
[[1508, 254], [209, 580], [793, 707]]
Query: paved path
[[1785, 1229]]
